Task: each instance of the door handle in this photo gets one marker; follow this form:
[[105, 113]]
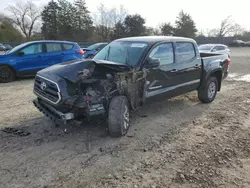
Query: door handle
[[62, 53], [39, 56], [174, 70]]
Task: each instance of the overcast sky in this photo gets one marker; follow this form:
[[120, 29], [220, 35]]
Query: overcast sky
[[206, 14]]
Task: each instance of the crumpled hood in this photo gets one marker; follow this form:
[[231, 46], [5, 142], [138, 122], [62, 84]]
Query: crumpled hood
[[69, 70]]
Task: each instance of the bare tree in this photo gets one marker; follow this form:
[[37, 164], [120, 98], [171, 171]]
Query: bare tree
[[237, 30], [226, 27], [25, 17], [106, 19], [213, 33], [200, 33], [117, 15], [102, 23]]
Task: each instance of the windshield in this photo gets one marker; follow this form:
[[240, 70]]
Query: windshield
[[93, 46], [205, 47], [16, 48], [123, 52]]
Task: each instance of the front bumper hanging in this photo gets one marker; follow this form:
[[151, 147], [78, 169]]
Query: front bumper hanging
[[52, 113]]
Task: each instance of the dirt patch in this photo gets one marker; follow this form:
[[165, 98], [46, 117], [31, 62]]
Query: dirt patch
[[208, 152]]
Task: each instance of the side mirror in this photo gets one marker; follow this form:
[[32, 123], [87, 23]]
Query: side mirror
[[214, 50], [20, 53], [152, 63]]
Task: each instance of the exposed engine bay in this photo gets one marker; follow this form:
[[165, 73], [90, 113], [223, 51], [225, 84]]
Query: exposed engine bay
[[98, 87]]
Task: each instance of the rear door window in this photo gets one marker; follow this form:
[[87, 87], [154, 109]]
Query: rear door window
[[53, 47], [185, 51], [67, 46]]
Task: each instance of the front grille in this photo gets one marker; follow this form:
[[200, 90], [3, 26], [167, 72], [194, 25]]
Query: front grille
[[47, 89]]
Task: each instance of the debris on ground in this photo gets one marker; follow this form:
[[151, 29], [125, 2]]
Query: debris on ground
[[15, 131]]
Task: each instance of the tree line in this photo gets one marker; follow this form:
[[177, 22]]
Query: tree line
[[66, 20]]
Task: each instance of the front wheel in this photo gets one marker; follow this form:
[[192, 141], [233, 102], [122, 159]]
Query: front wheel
[[118, 116], [7, 74], [208, 92]]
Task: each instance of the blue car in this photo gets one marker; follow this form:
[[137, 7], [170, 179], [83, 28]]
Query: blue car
[[28, 58], [93, 49]]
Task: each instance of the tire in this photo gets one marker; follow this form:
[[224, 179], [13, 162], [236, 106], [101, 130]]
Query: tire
[[208, 92], [7, 74], [118, 116]]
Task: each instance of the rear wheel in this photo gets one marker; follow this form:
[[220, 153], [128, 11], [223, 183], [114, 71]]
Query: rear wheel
[[208, 92], [118, 117], [7, 74]]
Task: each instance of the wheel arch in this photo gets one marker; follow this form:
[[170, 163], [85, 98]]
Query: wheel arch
[[218, 75], [11, 67]]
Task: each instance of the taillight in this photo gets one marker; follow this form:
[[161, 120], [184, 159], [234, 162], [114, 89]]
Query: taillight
[[80, 52], [228, 62], [87, 98]]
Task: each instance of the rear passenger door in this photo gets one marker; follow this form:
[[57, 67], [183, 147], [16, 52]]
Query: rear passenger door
[[54, 53], [189, 67]]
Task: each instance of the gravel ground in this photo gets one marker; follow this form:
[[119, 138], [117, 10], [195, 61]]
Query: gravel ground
[[178, 143]]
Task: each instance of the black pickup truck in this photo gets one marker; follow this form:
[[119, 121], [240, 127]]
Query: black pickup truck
[[125, 75]]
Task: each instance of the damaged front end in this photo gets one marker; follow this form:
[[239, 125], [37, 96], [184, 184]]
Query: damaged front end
[[86, 89], [132, 84]]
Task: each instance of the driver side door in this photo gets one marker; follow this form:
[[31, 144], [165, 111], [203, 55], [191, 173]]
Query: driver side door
[[30, 59], [161, 80]]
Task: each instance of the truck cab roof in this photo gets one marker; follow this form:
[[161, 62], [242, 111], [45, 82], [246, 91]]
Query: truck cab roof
[[155, 39]]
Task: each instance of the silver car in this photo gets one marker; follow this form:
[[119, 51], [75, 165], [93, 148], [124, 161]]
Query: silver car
[[215, 48]]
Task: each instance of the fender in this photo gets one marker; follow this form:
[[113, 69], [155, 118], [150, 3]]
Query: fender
[[211, 72], [212, 68], [217, 72]]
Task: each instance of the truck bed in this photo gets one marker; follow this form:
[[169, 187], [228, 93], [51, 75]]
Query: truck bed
[[210, 59]]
